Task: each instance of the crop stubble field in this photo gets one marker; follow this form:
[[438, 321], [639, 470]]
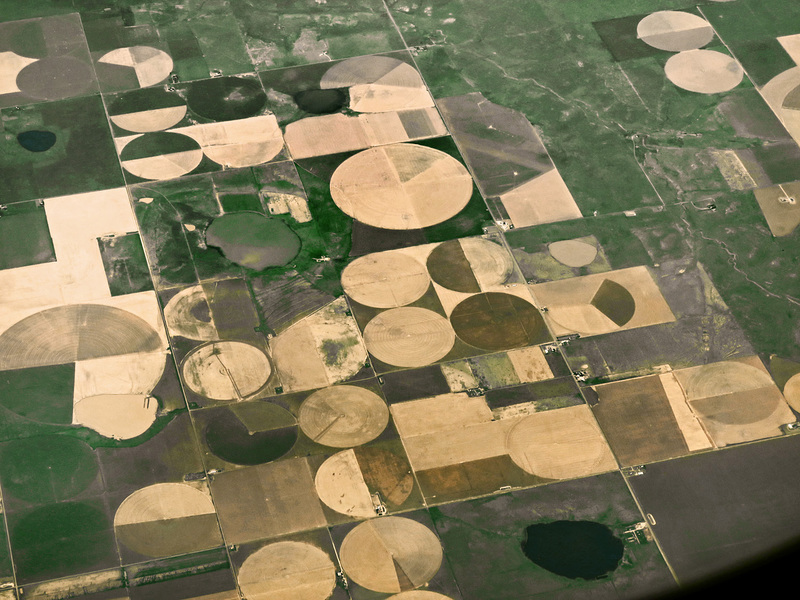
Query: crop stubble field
[[285, 291]]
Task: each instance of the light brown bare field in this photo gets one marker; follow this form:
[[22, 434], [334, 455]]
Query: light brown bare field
[[791, 43], [490, 263], [717, 379], [560, 444], [117, 416], [674, 31], [782, 216], [226, 370], [340, 485], [164, 166], [570, 311], [459, 376], [329, 134], [409, 336], [573, 253], [267, 501], [456, 446], [319, 350], [791, 391], [439, 413], [744, 416], [240, 143], [287, 571], [326, 134], [151, 65], [692, 430], [530, 364], [544, 199], [389, 127], [126, 374], [11, 64], [75, 223], [179, 318], [370, 69], [391, 554], [775, 92], [704, 71], [385, 279], [449, 299], [378, 84], [157, 119], [379, 98], [343, 416], [383, 128], [401, 186], [297, 362], [163, 501]]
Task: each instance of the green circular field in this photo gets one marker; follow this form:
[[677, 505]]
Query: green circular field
[[61, 539], [252, 240], [49, 468], [226, 98]]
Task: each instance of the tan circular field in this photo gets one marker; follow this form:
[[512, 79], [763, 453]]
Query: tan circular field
[[560, 444], [409, 337], [226, 370], [385, 280], [674, 31], [167, 519], [704, 71], [401, 186], [287, 571], [156, 119], [391, 554], [573, 253], [791, 391], [340, 485], [164, 166], [343, 416], [378, 84], [117, 416], [490, 262], [180, 317], [722, 378], [151, 65], [242, 143]]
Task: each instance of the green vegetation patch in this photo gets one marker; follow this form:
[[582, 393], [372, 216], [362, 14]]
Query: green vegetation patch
[[495, 527], [83, 158], [61, 539], [762, 59], [47, 468], [252, 240], [619, 37], [41, 394], [125, 264], [226, 98], [24, 236]]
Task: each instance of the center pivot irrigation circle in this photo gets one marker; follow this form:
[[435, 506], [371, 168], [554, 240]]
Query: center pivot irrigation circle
[[391, 554], [226, 370], [409, 337], [343, 416], [401, 186]]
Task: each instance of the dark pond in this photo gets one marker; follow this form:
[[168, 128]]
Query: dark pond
[[574, 549]]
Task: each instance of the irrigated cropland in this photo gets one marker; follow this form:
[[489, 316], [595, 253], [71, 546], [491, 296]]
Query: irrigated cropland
[[397, 300]]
